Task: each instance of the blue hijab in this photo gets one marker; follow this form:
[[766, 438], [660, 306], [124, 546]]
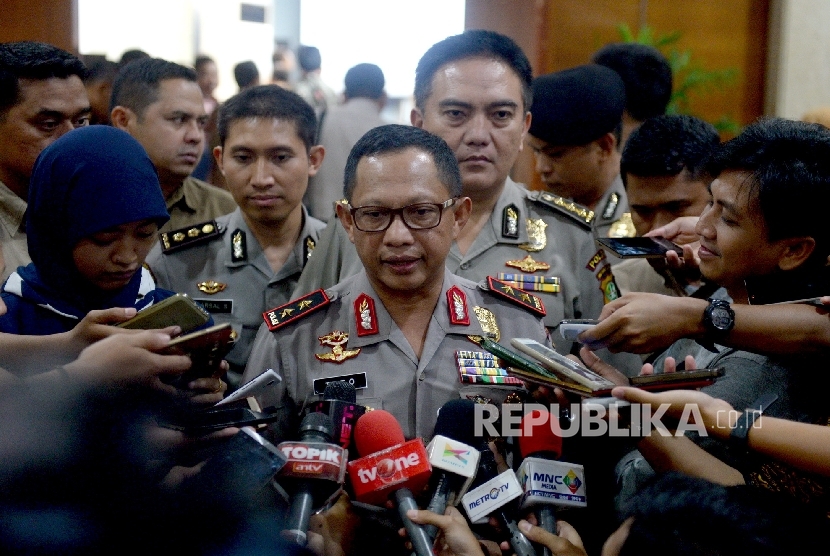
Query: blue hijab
[[89, 180]]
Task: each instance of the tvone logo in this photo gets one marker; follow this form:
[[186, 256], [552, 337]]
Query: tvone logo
[[386, 468]]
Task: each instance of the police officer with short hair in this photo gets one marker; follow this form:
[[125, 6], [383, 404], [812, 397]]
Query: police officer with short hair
[[247, 262]]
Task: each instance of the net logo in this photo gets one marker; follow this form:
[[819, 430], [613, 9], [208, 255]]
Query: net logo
[[449, 452]]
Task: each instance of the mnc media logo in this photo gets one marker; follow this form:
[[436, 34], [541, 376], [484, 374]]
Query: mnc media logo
[[572, 481]]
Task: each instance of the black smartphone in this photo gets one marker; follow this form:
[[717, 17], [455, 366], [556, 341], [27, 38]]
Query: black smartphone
[[203, 422], [206, 348], [789, 287], [678, 380], [643, 247]]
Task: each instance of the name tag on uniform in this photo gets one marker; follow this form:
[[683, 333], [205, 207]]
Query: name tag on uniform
[[357, 380], [216, 305]]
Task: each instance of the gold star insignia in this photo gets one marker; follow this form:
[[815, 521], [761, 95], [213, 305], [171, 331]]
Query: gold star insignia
[[286, 312], [303, 304]]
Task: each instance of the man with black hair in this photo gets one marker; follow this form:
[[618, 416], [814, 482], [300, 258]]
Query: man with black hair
[[98, 84], [42, 96], [160, 104], [207, 76], [246, 75], [311, 87], [575, 137], [252, 261], [648, 81], [663, 170], [340, 130]]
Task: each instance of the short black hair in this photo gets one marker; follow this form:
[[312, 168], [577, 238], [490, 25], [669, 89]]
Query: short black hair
[[35, 61], [137, 84], [667, 145], [364, 80], [395, 138], [681, 515], [100, 69], [471, 44], [200, 61], [309, 58], [245, 73], [789, 167], [131, 56], [646, 73], [269, 101]]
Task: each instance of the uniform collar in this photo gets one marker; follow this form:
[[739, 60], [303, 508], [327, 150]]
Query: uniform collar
[[180, 196], [512, 194], [12, 209], [607, 204]]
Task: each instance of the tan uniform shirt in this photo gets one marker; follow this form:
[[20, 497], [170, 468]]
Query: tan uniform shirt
[[375, 351], [12, 231], [195, 202], [234, 289]]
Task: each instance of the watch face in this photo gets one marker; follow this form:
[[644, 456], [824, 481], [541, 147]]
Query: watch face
[[721, 319]]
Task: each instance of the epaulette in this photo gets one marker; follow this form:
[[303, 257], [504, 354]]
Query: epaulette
[[191, 235], [280, 316], [517, 295], [577, 212]]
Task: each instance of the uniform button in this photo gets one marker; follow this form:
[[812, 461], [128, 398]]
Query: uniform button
[[465, 266], [422, 376]]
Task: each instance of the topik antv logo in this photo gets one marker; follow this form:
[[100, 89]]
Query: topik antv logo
[[310, 453]]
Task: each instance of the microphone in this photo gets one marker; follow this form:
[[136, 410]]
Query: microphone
[[492, 492], [314, 463], [452, 456], [547, 483], [390, 466], [339, 403]]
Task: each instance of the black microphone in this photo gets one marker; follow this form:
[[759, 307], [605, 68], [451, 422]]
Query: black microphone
[[315, 469], [454, 461], [339, 403]]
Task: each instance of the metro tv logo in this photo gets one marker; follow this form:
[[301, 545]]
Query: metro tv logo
[[570, 480], [449, 452]]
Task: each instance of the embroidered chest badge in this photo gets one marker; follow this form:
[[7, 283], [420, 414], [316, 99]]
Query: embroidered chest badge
[[528, 264], [336, 340], [211, 287], [487, 320], [536, 234], [457, 303], [365, 316]]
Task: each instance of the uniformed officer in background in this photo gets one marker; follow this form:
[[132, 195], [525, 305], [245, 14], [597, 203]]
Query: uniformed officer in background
[[247, 262], [575, 135], [398, 330], [473, 91]]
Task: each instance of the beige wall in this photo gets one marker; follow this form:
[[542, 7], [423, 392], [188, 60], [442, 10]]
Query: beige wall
[[799, 65]]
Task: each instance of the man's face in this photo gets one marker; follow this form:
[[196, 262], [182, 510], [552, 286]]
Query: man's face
[[208, 78], [171, 129], [400, 261], [733, 234], [109, 259], [568, 171], [266, 167], [476, 107], [48, 108], [657, 200]]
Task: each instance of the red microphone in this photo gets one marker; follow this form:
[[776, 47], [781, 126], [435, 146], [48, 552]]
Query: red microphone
[[390, 466], [546, 482]]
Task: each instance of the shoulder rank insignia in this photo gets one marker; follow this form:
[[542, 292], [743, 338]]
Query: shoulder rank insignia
[[293, 310], [624, 227], [579, 213], [527, 300], [528, 264], [184, 237], [365, 316], [536, 234], [239, 246], [611, 206], [510, 222], [457, 305], [308, 246], [487, 320], [335, 340], [211, 287]]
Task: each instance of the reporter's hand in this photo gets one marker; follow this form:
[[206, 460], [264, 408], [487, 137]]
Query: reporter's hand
[[713, 411], [331, 533], [566, 542], [455, 538], [129, 359], [645, 322], [680, 230], [590, 359], [207, 391]]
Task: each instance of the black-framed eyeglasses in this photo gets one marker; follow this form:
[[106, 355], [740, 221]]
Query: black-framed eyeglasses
[[419, 216]]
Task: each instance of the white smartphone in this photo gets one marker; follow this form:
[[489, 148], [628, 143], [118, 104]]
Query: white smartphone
[[571, 328], [254, 386], [560, 364]]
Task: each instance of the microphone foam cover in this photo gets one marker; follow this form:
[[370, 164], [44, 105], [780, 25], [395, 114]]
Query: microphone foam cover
[[375, 431], [456, 421], [319, 423], [540, 437], [340, 390]]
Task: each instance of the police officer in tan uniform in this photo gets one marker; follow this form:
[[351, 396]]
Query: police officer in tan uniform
[[473, 91], [575, 135], [398, 330], [246, 262]]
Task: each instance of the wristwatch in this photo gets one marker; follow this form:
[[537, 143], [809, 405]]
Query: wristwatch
[[718, 320]]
